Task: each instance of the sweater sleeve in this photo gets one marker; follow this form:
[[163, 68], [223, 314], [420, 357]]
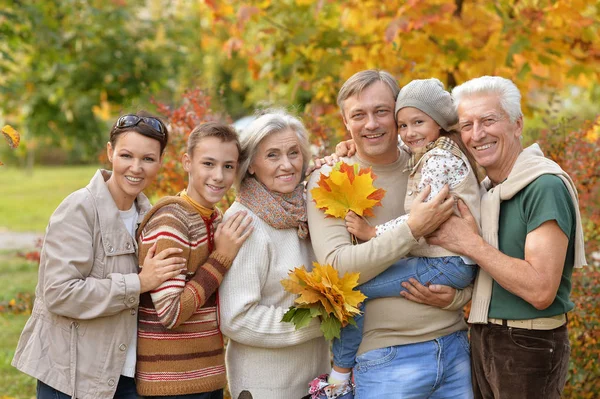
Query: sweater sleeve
[[178, 298], [243, 318], [71, 285], [332, 243]]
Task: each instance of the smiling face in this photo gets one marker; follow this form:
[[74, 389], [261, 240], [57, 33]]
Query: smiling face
[[135, 160], [489, 134], [369, 117], [416, 128], [211, 170], [278, 162]]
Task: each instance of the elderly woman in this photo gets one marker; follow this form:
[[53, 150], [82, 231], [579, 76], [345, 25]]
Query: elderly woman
[[268, 358]]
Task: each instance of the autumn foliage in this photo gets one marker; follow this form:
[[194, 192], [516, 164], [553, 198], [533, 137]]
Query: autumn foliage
[[323, 293], [347, 188]]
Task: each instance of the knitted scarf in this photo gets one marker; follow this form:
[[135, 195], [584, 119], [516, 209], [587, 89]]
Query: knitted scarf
[[442, 142], [530, 165], [281, 211]]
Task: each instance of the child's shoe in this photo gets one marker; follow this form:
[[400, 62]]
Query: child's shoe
[[319, 388]]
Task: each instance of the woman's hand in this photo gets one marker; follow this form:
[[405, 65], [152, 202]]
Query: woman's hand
[[345, 148], [319, 162], [231, 234], [434, 295], [159, 268], [359, 227]]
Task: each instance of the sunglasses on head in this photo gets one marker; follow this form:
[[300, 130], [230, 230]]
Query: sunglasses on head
[[133, 120]]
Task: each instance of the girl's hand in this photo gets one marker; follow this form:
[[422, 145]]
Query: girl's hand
[[159, 268], [359, 227], [345, 148], [231, 234]]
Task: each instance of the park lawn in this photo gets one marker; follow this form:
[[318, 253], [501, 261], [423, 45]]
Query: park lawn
[[17, 276], [27, 201]]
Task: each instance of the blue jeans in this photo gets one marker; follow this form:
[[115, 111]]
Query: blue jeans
[[125, 390], [449, 270], [434, 369]]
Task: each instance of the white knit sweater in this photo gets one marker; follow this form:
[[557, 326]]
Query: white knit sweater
[[265, 356]]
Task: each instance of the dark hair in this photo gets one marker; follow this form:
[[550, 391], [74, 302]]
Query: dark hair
[[143, 129], [222, 131]]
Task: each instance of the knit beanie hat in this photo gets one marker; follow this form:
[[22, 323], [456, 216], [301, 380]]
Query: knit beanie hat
[[429, 96]]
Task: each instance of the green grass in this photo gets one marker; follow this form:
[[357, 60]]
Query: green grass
[[17, 275], [13, 383], [27, 201]]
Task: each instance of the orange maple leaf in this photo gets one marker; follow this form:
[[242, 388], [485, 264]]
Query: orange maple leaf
[[347, 188]]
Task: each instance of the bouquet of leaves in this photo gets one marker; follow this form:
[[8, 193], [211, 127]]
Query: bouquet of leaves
[[322, 293], [347, 188]]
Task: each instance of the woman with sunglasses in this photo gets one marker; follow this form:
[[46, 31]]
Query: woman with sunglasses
[[80, 340]]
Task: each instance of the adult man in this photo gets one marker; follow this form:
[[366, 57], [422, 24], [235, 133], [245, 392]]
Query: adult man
[[532, 238], [408, 349]]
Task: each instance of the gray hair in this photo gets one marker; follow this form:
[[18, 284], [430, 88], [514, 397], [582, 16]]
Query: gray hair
[[363, 79], [271, 121], [507, 92]]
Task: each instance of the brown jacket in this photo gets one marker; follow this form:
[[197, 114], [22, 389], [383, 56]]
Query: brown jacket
[[85, 311]]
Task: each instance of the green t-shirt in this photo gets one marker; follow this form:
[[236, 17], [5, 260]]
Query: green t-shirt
[[544, 199]]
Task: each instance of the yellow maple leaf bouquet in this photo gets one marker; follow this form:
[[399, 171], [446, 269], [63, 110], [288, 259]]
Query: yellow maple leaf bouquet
[[322, 292]]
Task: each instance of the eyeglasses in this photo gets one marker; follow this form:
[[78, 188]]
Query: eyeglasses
[[133, 120]]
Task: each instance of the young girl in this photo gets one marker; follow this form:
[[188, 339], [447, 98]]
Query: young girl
[[80, 340], [425, 115], [180, 346]]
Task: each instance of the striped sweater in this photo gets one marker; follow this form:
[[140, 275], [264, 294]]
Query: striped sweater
[[180, 346]]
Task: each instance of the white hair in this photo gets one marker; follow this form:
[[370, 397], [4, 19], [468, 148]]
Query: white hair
[[507, 92], [271, 121]]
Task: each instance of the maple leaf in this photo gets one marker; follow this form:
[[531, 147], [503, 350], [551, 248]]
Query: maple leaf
[[347, 188], [12, 136], [324, 294]]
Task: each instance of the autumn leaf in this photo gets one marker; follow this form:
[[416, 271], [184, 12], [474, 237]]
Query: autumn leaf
[[347, 188], [12, 136], [322, 293]]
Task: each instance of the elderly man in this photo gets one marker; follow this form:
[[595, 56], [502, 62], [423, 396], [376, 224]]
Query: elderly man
[[532, 239], [408, 349]]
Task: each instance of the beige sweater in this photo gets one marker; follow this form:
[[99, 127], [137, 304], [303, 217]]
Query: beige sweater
[[266, 356], [389, 321], [530, 165]]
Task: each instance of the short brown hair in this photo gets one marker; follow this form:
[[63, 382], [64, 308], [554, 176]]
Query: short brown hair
[[363, 79], [219, 130], [143, 129]]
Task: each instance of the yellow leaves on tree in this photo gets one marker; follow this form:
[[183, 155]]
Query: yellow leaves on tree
[[322, 293], [12, 136], [347, 188]]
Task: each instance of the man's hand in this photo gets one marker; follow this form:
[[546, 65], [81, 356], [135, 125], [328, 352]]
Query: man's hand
[[434, 295], [457, 232], [425, 217]]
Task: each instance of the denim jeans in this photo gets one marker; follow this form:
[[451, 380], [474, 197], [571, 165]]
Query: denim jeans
[[434, 369], [512, 362], [450, 270], [125, 390]]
